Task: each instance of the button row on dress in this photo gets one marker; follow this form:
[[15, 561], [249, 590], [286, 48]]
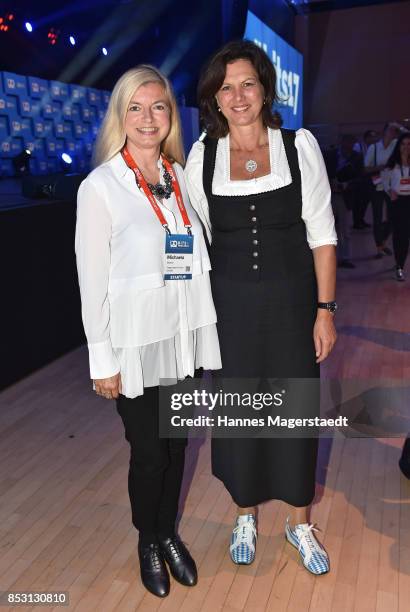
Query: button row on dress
[[252, 207]]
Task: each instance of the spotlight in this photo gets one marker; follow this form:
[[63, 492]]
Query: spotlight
[[72, 40], [53, 36], [66, 158], [28, 26], [21, 162], [104, 51]]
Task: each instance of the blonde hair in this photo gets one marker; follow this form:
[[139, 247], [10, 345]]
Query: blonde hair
[[111, 137]]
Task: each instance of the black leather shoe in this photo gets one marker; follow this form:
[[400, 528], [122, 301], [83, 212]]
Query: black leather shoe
[[181, 564], [154, 573]]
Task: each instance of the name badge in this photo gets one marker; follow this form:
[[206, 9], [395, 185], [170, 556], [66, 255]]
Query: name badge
[[179, 250]]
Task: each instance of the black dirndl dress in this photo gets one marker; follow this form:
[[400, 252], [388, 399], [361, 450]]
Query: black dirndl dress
[[266, 306]]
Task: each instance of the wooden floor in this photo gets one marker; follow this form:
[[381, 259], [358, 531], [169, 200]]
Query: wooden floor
[[64, 511]]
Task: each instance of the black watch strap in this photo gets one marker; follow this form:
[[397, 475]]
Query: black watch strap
[[330, 306]]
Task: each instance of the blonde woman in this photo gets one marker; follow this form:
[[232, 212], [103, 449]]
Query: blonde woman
[[141, 326]]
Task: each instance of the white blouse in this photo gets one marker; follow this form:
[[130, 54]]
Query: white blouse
[[136, 323], [392, 180], [316, 195], [377, 155]]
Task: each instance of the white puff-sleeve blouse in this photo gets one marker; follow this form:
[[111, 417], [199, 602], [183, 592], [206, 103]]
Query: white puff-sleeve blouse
[[150, 330], [316, 194]]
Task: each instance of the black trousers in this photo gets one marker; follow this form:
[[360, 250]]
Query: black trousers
[[381, 229], [362, 199], [156, 467], [401, 229]]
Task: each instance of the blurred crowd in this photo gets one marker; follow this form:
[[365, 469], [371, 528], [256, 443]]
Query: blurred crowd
[[372, 172]]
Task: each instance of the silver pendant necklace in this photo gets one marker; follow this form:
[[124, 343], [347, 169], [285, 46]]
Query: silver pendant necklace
[[251, 165]]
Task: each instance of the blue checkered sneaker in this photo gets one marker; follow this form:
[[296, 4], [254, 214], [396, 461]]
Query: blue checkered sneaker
[[313, 554], [243, 540]]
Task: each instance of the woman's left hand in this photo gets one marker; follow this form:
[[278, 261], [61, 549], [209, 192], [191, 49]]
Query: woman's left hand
[[324, 335]]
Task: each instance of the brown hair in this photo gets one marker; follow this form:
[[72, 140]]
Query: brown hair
[[214, 74]]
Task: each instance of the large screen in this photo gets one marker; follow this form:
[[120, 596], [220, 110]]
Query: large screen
[[289, 70]]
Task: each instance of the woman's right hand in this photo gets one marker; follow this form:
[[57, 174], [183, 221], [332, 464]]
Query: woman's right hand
[[110, 388], [393, 195]]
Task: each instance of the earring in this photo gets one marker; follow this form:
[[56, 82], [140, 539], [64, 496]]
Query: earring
[[219, 110]]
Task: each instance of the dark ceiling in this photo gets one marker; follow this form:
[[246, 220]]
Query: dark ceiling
[[305, 7]]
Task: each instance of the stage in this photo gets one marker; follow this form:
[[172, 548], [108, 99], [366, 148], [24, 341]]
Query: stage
[[40, 304]]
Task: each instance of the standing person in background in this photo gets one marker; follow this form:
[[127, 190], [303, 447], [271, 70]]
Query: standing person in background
[[344, 167], [397, 185], [369, 137], [364, 186], [264, 198], [375, 162], [143, 327]]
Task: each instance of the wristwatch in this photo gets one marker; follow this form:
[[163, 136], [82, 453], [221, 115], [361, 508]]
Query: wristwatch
[[330, 306]]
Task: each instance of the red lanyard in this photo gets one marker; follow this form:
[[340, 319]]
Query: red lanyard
[[144, 185]]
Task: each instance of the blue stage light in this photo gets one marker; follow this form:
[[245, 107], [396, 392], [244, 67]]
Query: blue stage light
[[66, 158], [72, 40], [104, 51], [28, 26]]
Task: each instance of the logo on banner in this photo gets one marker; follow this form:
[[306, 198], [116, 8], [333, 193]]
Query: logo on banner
[[288, 64], [287, 83]]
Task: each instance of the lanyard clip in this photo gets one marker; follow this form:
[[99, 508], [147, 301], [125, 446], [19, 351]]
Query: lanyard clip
[[166, 228], [188, 229]]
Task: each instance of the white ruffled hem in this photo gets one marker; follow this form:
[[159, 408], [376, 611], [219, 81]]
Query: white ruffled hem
[[168, 360]]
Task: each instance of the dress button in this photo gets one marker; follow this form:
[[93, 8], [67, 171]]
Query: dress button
[[254, 219], [254, 230], [252, 207], [255, 253], [255, 242], [255, 266]]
